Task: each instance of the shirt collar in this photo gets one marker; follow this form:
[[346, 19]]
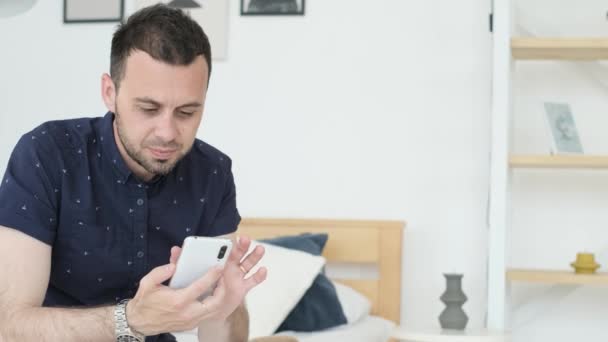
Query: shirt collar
[[110, 150]]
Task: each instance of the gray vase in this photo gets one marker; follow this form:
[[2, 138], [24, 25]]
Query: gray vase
[[453, 316]]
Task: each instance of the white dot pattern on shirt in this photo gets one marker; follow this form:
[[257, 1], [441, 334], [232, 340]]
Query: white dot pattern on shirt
[[78, 201]]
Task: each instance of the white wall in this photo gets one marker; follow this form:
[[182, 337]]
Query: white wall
[[361, 109], [559, 213]]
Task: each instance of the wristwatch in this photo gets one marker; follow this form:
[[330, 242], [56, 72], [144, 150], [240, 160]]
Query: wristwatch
[[122, 331]]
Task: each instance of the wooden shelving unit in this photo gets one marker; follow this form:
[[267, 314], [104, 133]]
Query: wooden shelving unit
[[507, 51], [559, 48], [559, 161], [556, 277]]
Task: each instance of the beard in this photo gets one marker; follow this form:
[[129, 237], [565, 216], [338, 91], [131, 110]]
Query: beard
[[152, 165]]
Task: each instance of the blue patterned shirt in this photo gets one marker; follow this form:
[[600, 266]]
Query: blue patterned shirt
[[67, 185]]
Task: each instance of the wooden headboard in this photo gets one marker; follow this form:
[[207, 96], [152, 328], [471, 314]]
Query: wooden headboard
[[350, 241]]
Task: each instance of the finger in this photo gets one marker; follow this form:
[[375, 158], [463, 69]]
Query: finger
[[253, 258], [208, 306], [239, 249], [175, 253], [202, 284], [157, 276], [220, 289], [256, 279]]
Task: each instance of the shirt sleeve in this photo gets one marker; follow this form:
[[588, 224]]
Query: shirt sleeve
[[227, 219], [28, 195]]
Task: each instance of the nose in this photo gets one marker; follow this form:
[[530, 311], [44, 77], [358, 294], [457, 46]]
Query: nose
[[166, 128]]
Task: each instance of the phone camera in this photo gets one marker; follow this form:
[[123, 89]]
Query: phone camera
[[222, 252]]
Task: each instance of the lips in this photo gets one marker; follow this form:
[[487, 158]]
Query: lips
[[161, 153]]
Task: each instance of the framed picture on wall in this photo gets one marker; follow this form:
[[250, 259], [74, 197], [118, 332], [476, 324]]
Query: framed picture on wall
[[211, 15], [272, 7], [86, 11]]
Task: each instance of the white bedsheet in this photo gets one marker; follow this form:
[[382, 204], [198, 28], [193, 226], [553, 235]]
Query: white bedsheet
[[368, 329]]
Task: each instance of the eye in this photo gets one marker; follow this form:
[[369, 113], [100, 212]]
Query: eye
[[186, 113], [149, 110]]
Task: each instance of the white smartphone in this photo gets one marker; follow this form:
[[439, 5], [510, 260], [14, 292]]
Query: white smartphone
[[199, 255]]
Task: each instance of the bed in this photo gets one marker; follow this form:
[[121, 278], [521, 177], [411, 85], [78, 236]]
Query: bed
[[370, 242]]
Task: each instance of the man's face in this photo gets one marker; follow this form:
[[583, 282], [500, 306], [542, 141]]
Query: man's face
[[158, 110]]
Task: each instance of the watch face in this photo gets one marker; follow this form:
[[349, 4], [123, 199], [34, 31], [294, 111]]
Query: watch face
[[127, 338]]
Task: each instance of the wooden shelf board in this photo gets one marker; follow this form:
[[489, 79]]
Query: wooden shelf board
[[556, 277], [559, 48], [559, 161]]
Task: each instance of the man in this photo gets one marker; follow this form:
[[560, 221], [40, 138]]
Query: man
[[91, 209]]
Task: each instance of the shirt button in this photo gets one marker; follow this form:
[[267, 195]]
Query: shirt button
[[140, 201], [140, 254]]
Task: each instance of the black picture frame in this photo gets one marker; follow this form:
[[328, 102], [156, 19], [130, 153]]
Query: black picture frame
[[272, 5], [119, 18]]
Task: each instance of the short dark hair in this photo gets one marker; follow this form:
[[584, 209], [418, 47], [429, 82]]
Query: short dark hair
[[165, 33]]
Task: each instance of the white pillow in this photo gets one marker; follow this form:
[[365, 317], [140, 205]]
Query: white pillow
[[355, 305], [290, 274]]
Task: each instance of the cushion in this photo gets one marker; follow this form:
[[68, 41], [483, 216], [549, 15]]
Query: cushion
[[355, 305], [290, 274], [320, 306]]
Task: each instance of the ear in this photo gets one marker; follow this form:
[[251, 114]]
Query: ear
[[108, 92]]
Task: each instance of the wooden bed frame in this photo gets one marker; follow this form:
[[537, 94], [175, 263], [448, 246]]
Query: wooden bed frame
[[350, 241]]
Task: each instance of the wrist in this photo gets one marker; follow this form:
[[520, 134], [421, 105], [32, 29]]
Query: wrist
[[133, 318], [123, 331]]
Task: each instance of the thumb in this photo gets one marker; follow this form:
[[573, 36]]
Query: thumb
[[157, 276]]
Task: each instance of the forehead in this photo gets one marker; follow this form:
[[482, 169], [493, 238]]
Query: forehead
[[145, 76]]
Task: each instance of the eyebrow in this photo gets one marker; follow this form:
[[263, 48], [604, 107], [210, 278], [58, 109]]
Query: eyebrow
[[148, 100]]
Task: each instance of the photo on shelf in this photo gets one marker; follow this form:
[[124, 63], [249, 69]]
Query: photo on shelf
[[562, 129]]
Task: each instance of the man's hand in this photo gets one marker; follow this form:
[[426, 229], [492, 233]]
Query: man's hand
[[157, 308], [232, 286]]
